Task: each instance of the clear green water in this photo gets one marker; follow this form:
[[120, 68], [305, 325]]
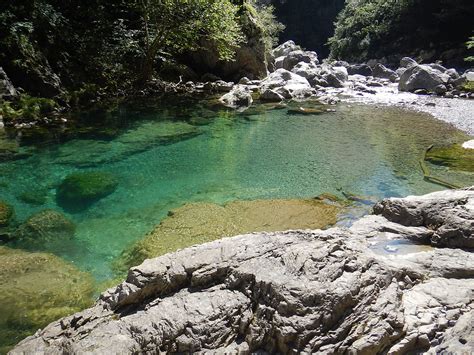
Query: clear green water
[[165, 154]]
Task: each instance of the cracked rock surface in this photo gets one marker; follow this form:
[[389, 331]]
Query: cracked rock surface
[[384, 285]]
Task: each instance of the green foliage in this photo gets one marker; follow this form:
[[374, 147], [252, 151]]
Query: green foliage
[[175, 26], [27, 108], [267, 21], [368, 29], [470, 45], [468, 86], [76, 50]]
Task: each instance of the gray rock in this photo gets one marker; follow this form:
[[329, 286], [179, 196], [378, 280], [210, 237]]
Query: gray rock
[[437, 67], [285, 49], [422, 77], [449, 214], [407, 62], [245, 81], [359, 69], [453, 74], [7, 90], [306, 70], [400, 71], [326, 292], [381, 71], [239, 96], [295, 57], [287, 84], [271, 96]]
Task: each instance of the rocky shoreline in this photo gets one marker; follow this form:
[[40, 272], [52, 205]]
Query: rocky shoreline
[[398, 281], [296, 74]]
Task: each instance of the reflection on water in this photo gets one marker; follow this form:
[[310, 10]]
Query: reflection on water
[[385, 245]]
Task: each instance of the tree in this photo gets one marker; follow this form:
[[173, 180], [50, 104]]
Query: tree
[[174, 26], [470, 45]]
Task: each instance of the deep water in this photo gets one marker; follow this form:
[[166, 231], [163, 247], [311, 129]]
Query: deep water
[[164, 154]]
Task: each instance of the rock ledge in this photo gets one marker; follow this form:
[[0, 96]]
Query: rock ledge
[[368, 289]]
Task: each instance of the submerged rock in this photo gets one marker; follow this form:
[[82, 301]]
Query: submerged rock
[[454, 156], [203, 222], [6, 213], [35, 289], [80, 190], [43, 227], [286, 292], [35, 197], [91, 153]]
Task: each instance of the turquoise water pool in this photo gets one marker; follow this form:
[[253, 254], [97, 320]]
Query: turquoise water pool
[[165, 154]]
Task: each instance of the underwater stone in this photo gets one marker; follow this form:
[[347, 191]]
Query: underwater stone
[[35, 289], [80, 190], [44, 226], [454, 156], [34, 197], [6, 214], [196, 223]]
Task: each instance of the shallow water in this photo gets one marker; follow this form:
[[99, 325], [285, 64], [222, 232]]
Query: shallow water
[[166, 154]]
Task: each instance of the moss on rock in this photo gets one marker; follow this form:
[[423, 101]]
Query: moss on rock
[[34, 197], [198, 223], [6, 214], [79, 191], [454, 156], [44, 227], [35, 289]]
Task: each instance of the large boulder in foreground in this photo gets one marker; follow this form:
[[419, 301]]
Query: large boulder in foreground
[[363, 290], [80, 190]]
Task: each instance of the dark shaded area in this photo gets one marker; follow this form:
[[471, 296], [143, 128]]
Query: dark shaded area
[[308, 22], [49, 46], [426, 29]]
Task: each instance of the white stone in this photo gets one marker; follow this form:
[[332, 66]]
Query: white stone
[[468, 144]]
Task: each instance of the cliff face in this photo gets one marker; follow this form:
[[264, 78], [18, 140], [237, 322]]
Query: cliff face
[[308, 22]]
